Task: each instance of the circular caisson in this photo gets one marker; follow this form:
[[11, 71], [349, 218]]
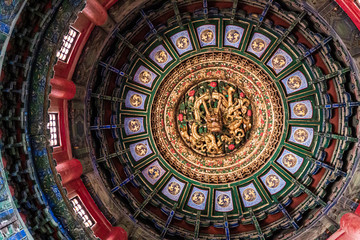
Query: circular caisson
[[218, 119]]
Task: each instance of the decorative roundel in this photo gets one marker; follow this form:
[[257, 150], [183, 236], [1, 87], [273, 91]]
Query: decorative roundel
[[134, 125], [294, 82], [272, 181], [207, 36], [136, 100], [161, 56], [289, 160], [227, 124], [279, 61], [154, 172], [198, 198], [301, 135], [249, 194], [223, 200], [233, 36], [215, 113], [300, 110], [182, 42], [145, 77], [140, 149], [258, 45], [174, 188]]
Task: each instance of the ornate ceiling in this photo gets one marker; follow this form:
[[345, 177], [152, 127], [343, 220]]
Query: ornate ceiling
[[220, 121]]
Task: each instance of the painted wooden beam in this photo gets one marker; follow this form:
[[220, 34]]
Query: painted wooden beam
[[264, 12], [177, 13], [257, 225], [126, 181], [168, 221]]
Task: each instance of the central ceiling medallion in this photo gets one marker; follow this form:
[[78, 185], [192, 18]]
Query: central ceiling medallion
[[214, 118], [217, 118]]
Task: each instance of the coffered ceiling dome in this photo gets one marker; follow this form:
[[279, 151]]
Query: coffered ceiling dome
[[207, 122]]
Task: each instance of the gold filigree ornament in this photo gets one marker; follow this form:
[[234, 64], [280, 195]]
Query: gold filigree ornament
[[198, 198], [249, 195], [294, 82], [206, 36], [289, 160], [161, 56], [217, 118], [154, 172], [136, 100], [272, 181], [223, 200], [174, 188], [279, 61], [233, 36], [140, 149], [258, 45], [300, 110], [145, 76], [134, 125], [182, 42], [301, 135]]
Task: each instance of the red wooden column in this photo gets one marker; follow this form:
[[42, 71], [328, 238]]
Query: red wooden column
[[95, 12], [349, 227], [351, 9], [62, 88]]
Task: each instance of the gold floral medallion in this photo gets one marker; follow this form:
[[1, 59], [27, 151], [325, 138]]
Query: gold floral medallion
[[300, 110], [278, 62], [136, 100], [145, 76], [174, 188], [198, 198], [207, 36], [294, 82], [249, 195], [233, 36], [272, 181], [154, 172], [301, 135], [223, 200], [161, 56], [258, 45], [289, 160], [182, 42], [134, 125], [140, 149]]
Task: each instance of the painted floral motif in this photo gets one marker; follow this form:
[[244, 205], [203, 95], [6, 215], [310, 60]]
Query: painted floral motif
[[223, 200], [294, 82], [272, 181], [174, 188], [233, 36], [207, 36], [301, 135], [145, 76], [154, 172], [300, 110], [258, 45], [134, 125], [198, 198], [249, 194], [182, 42], [161, 56], [136, 100], [140, 149], [289, 160]]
